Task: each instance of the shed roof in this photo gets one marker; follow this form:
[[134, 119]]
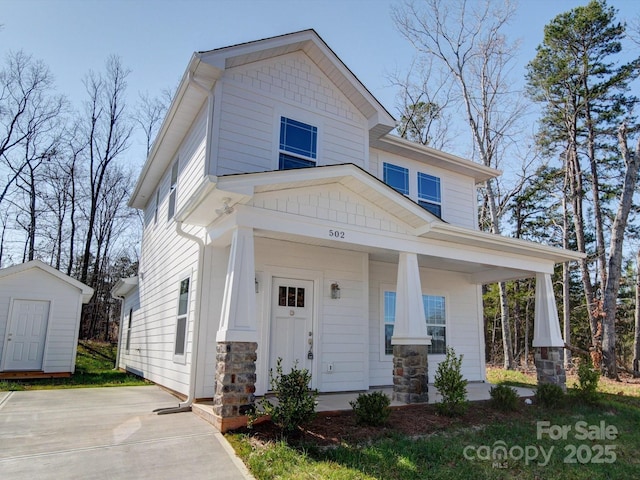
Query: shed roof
[[85, 290]]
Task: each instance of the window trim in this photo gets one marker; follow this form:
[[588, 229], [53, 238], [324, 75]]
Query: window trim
[[392, 288], [284, 154], [157, 207], [423, 201], [405, 170], [413, 184], [173, 189], [182, 357], [128, 342]]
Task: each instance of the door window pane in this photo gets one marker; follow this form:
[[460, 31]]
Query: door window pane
[[300, 299], [282, 296], [291, 297]]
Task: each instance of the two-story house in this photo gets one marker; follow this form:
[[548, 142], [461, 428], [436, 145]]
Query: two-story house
[[283, 220]]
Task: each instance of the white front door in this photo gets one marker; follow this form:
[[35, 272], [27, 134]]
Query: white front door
[[291, 324], [26, 335]]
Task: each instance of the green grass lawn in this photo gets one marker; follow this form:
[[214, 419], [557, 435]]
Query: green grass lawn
[[94, 368], [600, 441]]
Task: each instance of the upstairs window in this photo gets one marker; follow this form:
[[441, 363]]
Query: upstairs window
[[429, 193], [156, 206], [396, 177], [298, 144], [172, 191]]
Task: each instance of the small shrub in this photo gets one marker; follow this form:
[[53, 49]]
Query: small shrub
[[549, 395], [588, 377], [371, 408], [504, 397], [451, 385], [296, 403]]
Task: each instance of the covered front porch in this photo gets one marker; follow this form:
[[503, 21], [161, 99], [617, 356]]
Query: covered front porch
[[341, 211]]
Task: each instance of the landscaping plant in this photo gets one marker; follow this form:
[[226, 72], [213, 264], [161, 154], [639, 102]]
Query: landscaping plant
[[549, 395], [451, 385], [588, 377], [504, 397], [371, 408], [296, 402]]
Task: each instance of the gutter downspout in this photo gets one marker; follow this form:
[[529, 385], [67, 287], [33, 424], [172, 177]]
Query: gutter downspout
[[186, 405], [117, 365]]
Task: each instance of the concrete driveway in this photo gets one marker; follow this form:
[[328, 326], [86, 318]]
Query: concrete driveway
[[110, 433]]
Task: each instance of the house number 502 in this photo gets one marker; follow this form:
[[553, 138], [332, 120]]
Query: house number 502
[[336, 233]]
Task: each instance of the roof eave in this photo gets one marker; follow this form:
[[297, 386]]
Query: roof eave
[[197, 78], [397, 145]]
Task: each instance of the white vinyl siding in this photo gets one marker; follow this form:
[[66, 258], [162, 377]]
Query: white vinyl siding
[[458, 192], [254, 97], [153, 338]]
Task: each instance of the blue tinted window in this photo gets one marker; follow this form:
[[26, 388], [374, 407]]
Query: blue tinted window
[[396, 177], [429, 193], [298, 138], [432, 207], [288, 162]]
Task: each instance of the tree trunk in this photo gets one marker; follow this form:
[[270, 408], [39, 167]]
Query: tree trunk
[[632, 161], [636, 342], [566, 279]]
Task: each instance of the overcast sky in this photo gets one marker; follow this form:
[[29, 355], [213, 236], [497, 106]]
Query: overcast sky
[[155, 38]]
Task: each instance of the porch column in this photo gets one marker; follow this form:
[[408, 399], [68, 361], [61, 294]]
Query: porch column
[[410, 339], [547, 340], [237, 336]]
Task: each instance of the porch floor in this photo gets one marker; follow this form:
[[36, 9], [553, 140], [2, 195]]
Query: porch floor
[[329, 402], [335, 402]]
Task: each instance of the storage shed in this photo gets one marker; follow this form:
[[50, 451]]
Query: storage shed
[[40, 311]]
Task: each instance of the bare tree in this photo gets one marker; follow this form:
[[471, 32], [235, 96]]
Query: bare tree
[[150, 113], [107, 133], [466, 39], [423, 100], [27, 106]]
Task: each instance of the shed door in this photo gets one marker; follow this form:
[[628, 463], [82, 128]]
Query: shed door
[[26, 335], [291, 324]]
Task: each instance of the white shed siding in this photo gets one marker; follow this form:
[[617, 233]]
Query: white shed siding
[[64, 314], [464, 320], [458, 191], [342, 325], [166, 259], [254, 96]]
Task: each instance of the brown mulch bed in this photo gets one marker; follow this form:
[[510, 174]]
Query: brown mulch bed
[[329, 429]]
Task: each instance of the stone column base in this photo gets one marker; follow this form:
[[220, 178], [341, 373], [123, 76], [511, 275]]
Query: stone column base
[[410, 379], [550, 366], [235, 383]]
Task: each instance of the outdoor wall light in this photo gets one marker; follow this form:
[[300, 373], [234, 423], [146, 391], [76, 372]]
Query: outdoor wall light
[[257, 285], [335, 290]]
